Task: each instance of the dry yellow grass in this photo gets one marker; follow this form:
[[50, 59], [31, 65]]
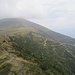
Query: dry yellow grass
[[25, 61]]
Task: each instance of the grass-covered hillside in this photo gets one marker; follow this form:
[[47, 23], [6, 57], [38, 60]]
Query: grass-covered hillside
[[30, 49]]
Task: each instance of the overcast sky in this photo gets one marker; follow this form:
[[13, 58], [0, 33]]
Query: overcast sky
[[57, 15]]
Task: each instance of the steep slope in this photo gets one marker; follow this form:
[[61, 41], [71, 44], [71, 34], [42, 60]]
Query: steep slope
[[19, 24], [37, 54], [27, 48], [12, 62]]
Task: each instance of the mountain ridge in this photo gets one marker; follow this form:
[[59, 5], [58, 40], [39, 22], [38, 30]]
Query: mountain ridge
[[27, 48], [45, 31]]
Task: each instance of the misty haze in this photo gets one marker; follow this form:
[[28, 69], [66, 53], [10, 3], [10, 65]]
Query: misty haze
[[37, 37]]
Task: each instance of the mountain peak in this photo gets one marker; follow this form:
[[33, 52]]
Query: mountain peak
[[27, 48], [18, 24]]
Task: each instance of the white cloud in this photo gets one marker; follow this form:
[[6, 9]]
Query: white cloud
[[54, 14]]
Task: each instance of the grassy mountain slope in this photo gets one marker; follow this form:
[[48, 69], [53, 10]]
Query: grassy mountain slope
[[18, 24], [30, 49], [13, 63]]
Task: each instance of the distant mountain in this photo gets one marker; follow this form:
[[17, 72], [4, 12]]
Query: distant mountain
[[17, 23], [27, 48]]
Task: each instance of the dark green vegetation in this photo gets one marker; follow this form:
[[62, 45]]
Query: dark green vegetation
[[27, 48]]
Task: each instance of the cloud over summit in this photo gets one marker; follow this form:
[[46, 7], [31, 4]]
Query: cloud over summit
[[55, 14]]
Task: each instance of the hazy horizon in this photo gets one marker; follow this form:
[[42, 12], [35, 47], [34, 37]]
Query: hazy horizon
[[56, 15]]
